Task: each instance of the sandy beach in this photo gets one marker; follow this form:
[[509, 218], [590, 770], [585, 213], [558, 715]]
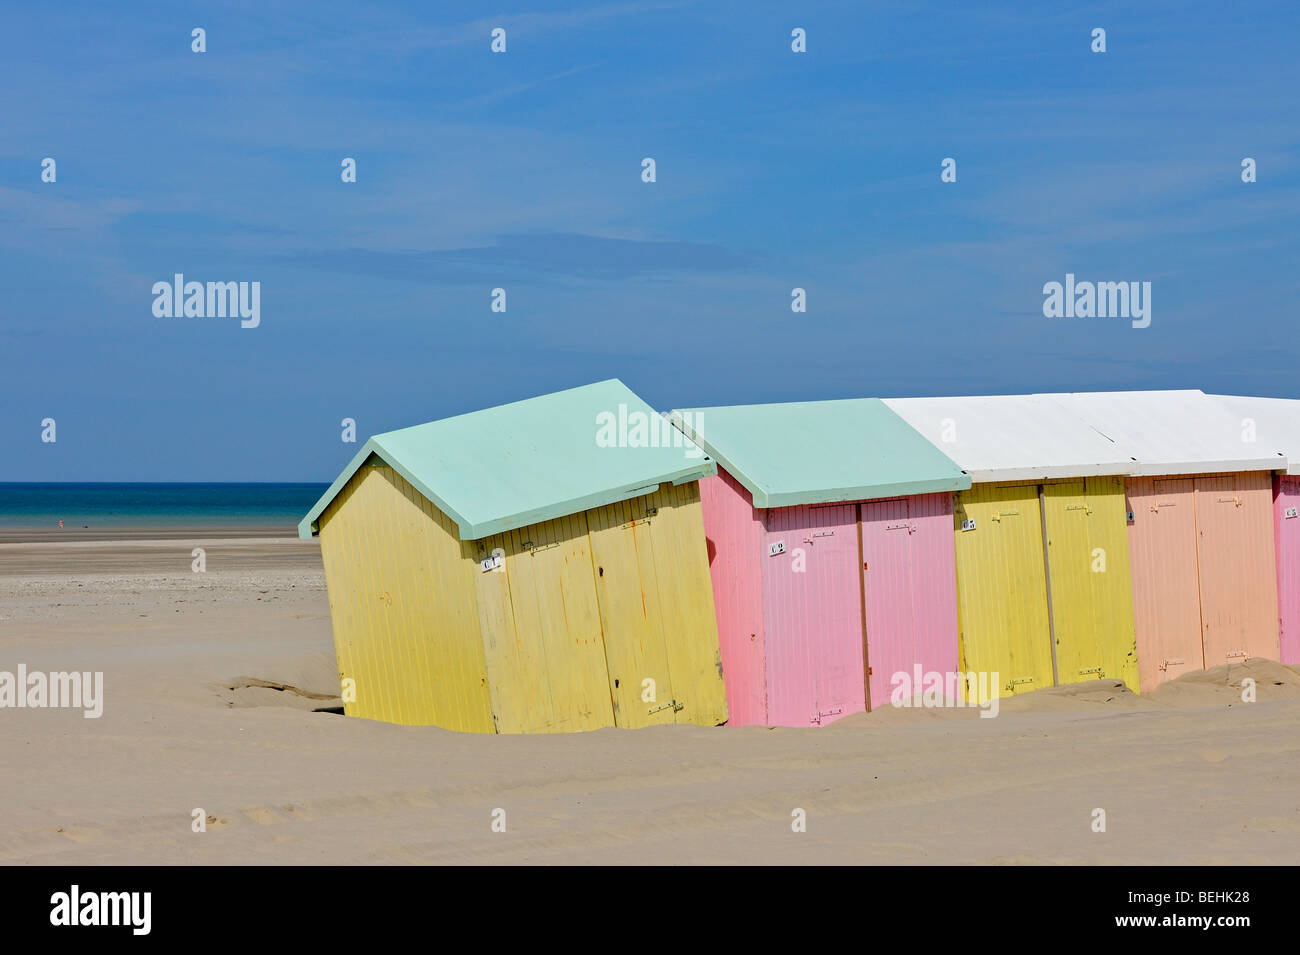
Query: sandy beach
[[218, 688]]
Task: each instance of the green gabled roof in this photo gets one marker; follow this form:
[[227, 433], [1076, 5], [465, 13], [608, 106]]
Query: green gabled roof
[[494, 470], [818, 452]]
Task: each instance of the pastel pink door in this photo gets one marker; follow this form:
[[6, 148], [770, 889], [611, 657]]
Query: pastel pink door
[[1235, 551], [812, 614], [1286, 526], [909, 580]]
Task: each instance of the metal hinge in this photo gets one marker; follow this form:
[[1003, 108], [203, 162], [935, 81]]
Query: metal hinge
[[1237, 653], [1096, 670], [534, 548], [818, 718], [813, 538], [644, 519], [1170, 663], [1011, 687], [663, 706]]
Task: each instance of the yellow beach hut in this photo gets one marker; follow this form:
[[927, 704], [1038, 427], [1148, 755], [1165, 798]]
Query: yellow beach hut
[[1043, 585], [539, 566]]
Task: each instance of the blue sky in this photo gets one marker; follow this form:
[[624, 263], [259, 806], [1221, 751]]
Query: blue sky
[[522, 170]]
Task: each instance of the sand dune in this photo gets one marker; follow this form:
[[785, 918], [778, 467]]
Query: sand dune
[[214, 684]]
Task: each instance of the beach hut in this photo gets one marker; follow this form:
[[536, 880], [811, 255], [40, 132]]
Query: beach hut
[[1042, 561], [828, 527], [534, 567], [1273, 424], [1201, 533]]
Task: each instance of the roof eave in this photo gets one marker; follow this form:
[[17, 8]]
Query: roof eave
[[868, 492], [1062, 472], [1156, 468], [307, 527]]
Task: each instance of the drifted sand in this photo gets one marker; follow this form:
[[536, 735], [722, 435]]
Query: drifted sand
[[211, 682]]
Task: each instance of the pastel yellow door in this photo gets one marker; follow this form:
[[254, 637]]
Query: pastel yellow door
[[686, 603], [656, 606], [542, 630], [1002, 587], [1092, 591], [627, 583]]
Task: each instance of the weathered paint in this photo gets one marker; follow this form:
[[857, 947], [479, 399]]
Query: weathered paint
[[908, 566], [542, 629], [1286, 518], [686, 595], [1091, 589], [395, 576], [1002, 586], [1204, 572], [1238, 569], [812, 614], [734, 532], [655, 602]]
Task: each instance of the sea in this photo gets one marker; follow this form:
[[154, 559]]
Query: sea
[[28, 506]]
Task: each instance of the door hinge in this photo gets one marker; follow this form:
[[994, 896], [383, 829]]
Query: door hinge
[[1096, 670], [1236, 653], [674, 704], [821, 714], [1011, 687], [534, 548], [1170, 663]]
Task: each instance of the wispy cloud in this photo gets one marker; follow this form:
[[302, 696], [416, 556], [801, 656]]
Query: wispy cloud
[[526, 256]]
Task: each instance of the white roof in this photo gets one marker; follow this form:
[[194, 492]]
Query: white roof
[[1012, 437], [1170, 432], [1276, 423]]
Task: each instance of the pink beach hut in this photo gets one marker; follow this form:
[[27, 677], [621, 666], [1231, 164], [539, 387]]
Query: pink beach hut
[[829, 528], [1273, 425]]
